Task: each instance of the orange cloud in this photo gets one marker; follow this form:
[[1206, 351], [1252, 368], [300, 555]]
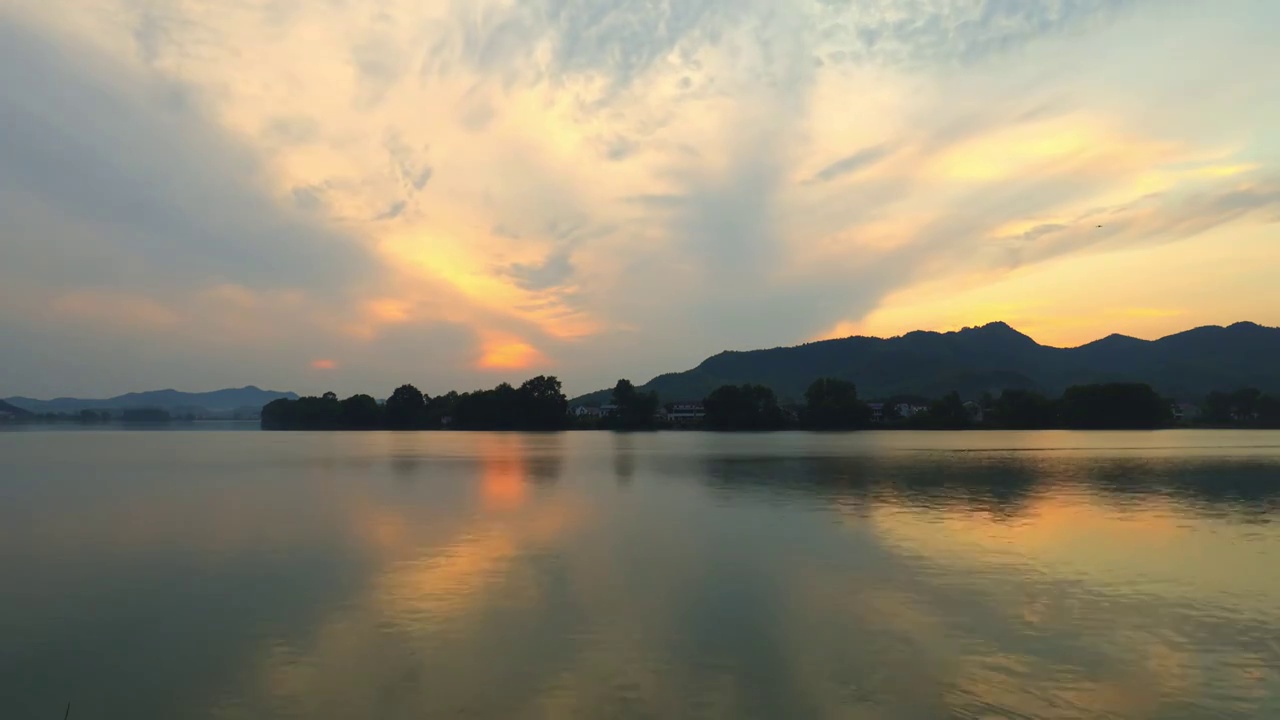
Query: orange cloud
[[389, 310], [505, 352], [324, 365]]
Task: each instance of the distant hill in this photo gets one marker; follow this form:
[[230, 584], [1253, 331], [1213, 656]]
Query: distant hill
[[991, 358], [175, 402], [12, 410]]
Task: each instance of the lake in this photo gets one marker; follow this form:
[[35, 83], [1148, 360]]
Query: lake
[[188, 574]]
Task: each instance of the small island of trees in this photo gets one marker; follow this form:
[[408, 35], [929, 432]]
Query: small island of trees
[[539, 404]]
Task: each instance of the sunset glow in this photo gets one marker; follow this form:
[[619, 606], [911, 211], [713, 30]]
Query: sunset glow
[[506, 353], [442, 192]]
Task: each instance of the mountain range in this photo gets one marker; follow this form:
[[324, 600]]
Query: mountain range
[[217, 401], [991, 358]]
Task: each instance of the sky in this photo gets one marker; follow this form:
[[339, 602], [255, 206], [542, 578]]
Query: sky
[[348, 195]]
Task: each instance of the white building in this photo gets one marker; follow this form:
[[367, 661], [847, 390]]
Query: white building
[[906, 410], [593, 411], [877, 412]]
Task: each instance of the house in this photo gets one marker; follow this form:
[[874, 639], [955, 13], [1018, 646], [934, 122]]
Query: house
[[906, 410], [877, 412], [685, 412], [974, 410], [1185, 413], [591, 411]]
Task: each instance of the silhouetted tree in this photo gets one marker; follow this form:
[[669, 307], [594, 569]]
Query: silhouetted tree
[[1023, 410], [1217, 408], [1247, 407], [276, 414], [406, 408], [318, 413], [1114, 406], [743, 407], [623, 391], [440, 410], [946, 413], [635, 409], [496, 409], [832, 404], [542, 404], [1269, 411], [361, 412], [1244, 403]]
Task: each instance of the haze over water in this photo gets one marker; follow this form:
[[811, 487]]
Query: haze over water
[[588, 575]]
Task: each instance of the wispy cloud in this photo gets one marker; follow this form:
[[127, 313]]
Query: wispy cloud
[[860, 160], [553, 271]]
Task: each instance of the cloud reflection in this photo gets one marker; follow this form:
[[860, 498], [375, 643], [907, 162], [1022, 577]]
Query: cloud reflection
[[732, 575]]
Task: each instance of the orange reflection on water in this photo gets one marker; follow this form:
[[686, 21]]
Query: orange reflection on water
[[503, 483], [504, 471], [1071, 533], [446, 581], [382, 529]]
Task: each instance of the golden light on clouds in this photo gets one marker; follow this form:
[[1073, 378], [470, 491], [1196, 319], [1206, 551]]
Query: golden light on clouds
[[608, 195], [324, 365], [1086, 145], [389, 310], [500, 351], [1002, 154]]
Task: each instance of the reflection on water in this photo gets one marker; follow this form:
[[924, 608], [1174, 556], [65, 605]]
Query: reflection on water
[[400, 575]]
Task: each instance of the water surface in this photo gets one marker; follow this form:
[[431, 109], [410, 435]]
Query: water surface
[[675, 575]]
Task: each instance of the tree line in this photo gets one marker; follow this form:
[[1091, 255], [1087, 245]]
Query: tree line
[[538, 404], [829, 404], [1247, 407], [1129, 406], [833, 404]]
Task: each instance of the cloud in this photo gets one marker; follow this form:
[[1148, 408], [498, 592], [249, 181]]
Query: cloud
[[960, 31], [394, 211], [554, 271], [379, 65], [412, 170], [308, 198], [853, 163], [505, 352], [138, 164], [598, 188], [292, 130]]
